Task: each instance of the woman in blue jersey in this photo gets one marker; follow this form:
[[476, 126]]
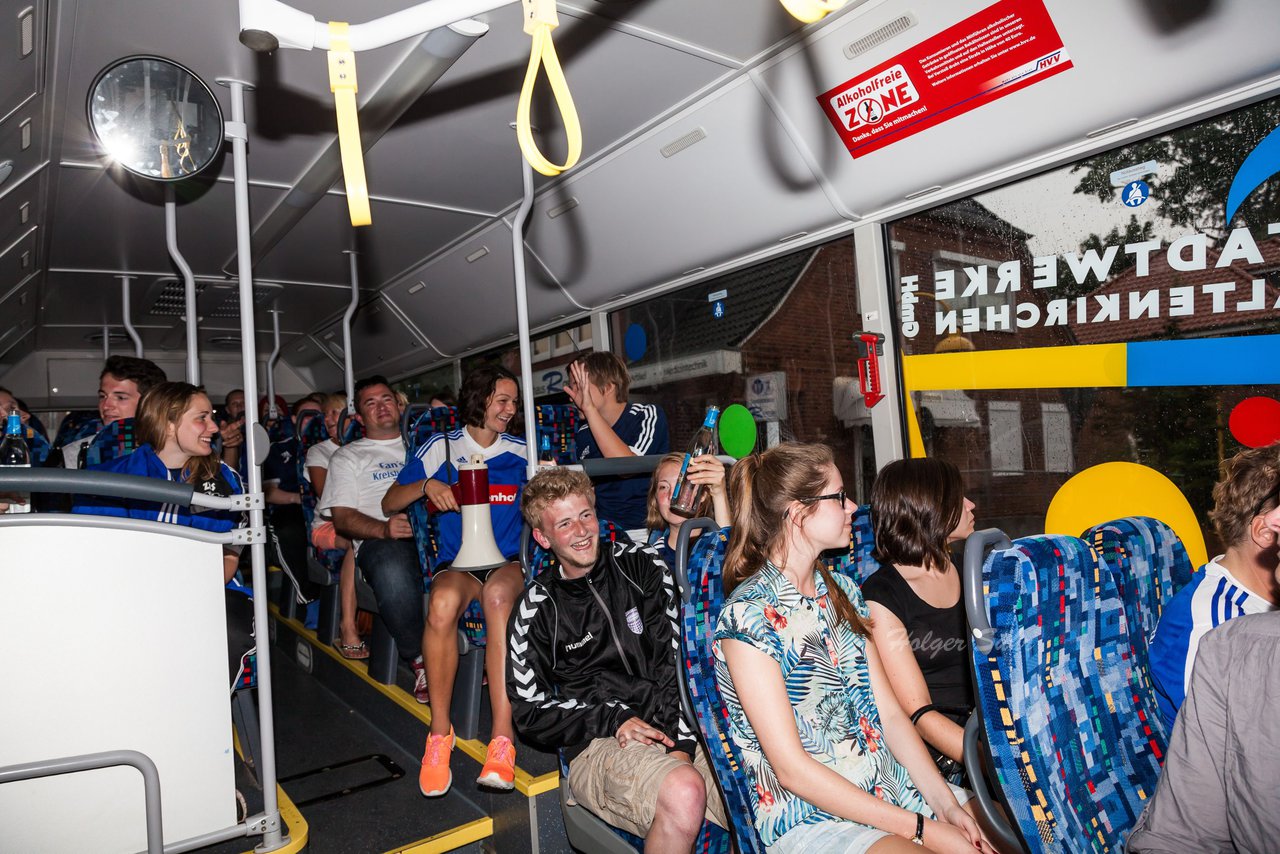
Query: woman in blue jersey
[[175, 429], [834, 762], [487, 405]]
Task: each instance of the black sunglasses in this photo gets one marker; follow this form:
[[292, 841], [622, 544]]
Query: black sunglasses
[[834, 496]]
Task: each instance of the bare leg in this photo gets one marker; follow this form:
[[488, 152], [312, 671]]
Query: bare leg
[[347, 596], [451, 593], [682, 800], [501, 591]]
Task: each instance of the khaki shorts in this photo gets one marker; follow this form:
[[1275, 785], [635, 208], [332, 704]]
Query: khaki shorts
[[620, 784]]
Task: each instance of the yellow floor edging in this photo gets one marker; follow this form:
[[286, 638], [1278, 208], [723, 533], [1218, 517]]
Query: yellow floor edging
[[290, 816], [473, 831], [526, 783]]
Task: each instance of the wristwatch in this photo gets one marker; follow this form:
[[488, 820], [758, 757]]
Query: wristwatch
[[918, 839]]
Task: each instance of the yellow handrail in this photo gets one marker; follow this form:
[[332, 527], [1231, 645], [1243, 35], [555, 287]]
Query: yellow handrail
[[342, 83], [812, 10], [539, 20]]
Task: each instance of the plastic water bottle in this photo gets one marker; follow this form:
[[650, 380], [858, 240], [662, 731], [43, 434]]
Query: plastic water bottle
[[15, 454], [545, 456], [684, 500]]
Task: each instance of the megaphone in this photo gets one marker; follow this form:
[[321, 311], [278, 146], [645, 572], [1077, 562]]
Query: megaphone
[[479, 549]]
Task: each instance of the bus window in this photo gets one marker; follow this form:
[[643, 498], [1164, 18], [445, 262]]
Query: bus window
[[1103, 311]]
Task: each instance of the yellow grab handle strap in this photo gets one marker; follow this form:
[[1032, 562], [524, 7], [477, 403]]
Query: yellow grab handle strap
[[342, 83], [540, 20], [812, 10]]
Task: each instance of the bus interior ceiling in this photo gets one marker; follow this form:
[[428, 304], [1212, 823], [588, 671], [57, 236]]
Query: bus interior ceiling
[[705, 148]]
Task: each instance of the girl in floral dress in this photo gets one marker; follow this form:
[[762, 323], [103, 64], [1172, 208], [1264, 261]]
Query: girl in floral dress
[[835, 764]]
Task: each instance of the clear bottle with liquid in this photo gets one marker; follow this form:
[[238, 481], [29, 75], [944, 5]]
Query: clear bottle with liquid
[[684, 500], [545, 455], [14, 453]]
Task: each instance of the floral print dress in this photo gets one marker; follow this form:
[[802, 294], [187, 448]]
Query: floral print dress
[[824, 666]]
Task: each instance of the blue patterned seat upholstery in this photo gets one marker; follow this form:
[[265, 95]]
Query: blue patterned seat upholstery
[[560, 424], [697, 626], [1070, 741], [115, 440], [1149, 564], [38, 445], [77, 426], [857, 563]]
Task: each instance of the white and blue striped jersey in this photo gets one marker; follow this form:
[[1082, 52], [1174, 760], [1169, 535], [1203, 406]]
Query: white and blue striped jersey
[[1213, 597]]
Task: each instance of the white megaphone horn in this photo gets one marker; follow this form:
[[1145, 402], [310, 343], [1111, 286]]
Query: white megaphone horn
[[479, 549]]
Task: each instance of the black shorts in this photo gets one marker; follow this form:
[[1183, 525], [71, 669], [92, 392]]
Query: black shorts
[[481, 575]]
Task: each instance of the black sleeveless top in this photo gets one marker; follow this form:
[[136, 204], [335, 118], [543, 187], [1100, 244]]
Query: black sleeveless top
[[939, 639]]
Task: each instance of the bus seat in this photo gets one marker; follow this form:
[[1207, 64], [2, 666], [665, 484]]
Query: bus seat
[[1150, 565], [857, 563], [350, 428], [39, 446], [76, 426], [322, 565], [704, 586], [115, 440], [1071, 743], [560, 424]]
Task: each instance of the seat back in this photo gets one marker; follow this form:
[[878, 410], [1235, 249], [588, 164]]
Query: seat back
[[698, 616], [113, 441], [38, 445], [1149, 564], [1072, 743], [349, 428], [857, 563], [76, 426], [560, 424], [311, 432]]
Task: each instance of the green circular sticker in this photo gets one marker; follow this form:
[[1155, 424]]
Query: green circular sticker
[[737, 431]]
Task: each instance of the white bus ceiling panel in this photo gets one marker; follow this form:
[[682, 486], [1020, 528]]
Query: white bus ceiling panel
[[21, 206], [643, 218], [1128, 67], [455, 146], [290, 113], [379, 340], [22, 138], [22, 52], [730, 27], [17, 317], [459, 303], [106, 219], [400, 237]]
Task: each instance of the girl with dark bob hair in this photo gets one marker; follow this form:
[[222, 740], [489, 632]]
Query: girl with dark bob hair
[[918, 508], [833, 761]]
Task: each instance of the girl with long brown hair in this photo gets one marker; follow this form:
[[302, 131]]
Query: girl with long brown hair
[[835, 764]]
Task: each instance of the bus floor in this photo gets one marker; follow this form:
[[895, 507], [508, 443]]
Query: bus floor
[[348, 750]]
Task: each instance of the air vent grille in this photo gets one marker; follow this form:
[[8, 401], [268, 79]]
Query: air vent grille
[[671, 149], [896, 27], [26, 32], [172, 301], [230, 305]]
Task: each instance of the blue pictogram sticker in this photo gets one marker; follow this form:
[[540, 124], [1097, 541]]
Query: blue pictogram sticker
[[717, 310], [1135, 193]]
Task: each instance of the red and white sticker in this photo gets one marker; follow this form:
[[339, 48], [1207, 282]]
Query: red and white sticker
[[1004, 48]]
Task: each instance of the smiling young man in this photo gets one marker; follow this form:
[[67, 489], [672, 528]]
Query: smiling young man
[[121, 385], [592, 670], [360, 473]]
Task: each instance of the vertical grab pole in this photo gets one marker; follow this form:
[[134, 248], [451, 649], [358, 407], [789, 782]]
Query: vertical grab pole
[[106, 342], [125, 310], [522, 321], [272, 410], [238, 133], [349, 372], [189, 284]]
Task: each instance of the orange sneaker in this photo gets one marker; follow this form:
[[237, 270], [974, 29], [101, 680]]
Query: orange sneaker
[[499, 771], [435, 778]]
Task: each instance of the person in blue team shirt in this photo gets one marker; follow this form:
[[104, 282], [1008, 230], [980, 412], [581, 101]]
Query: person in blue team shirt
[[488, 404], [175, 429], [611, 427], [1241, 581]]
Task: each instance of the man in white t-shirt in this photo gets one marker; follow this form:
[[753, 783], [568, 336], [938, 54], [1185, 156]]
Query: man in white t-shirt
[[359, 475]]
